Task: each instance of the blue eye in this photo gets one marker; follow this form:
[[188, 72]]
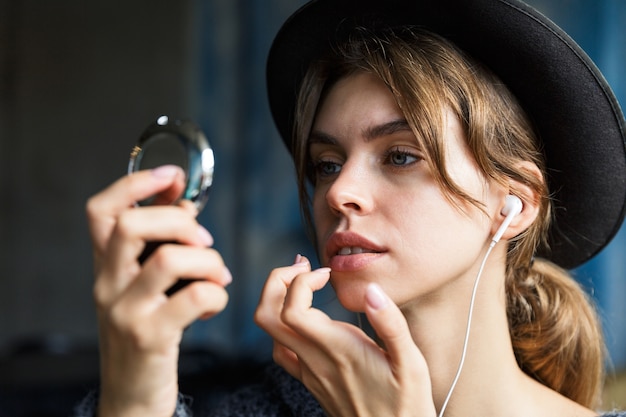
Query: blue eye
[[325, 169], [398, 157]]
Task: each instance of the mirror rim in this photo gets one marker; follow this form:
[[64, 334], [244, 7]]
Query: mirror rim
[[200, 156]]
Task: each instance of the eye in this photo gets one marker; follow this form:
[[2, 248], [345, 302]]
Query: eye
[[400, 157], [325, 168]]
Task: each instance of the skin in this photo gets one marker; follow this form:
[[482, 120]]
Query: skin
[[414, 289], [414, 280], [140, 328]]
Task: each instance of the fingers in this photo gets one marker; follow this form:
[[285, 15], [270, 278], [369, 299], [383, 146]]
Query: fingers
[[337, 361], [104, 207], [119, 264], [297, 312], [171, 194], [273, 295], [268, 314], [120, 232], [141, 327], [199, 299], [138, 186], [284, 291], [161, 223], [300, 331], [392, 328], [146, 314], [145, 293], [317, 334], [171, 262]]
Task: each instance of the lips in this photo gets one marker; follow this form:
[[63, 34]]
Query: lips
[[349, 251], [353, 251]]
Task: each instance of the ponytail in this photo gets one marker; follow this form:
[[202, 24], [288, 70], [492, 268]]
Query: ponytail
[[556, 333]]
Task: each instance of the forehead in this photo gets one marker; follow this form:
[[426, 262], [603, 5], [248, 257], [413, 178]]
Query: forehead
[[359, 100], [361, 106]]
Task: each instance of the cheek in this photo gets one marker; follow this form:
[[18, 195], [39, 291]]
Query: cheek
[[318, 207], [466, 175], [431, 225], [321, 213]]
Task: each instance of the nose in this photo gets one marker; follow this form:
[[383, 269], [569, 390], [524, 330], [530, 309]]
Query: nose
[[351, 191]]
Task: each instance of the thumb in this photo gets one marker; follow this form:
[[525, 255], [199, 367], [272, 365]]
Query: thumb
[[406, 361], [390, 326]]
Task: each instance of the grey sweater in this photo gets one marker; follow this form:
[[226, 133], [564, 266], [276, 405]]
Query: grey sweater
[[278, 395]]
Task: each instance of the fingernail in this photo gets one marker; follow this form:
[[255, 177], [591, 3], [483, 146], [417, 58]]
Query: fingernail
[[205, 236], [165, 171], [324, 270], [300, 260], [228, 278], [375, 297]]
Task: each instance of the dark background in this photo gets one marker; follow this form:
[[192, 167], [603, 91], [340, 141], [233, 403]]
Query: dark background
[[78, 83]]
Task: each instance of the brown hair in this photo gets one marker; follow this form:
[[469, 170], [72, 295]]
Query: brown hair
[[554, 329]]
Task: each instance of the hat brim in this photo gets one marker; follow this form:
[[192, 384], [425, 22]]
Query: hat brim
[[574, 111]]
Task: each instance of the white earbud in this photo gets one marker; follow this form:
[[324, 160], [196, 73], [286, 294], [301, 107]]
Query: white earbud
[[512, 208]]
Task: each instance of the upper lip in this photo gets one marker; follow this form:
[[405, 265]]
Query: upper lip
[[339, 240]]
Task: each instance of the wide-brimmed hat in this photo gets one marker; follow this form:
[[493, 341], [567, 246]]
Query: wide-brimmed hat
[[574, 112]]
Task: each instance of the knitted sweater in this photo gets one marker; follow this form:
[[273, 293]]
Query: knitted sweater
[[278, 395]]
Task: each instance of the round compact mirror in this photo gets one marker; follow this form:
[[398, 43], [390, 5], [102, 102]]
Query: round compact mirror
[[176, 142]]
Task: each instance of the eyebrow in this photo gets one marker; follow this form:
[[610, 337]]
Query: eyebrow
[[371, 133]]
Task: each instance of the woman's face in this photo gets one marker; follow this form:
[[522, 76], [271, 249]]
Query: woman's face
[[379, 214]]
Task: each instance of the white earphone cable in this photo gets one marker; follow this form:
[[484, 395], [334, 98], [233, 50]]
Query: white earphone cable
[[467, 331]]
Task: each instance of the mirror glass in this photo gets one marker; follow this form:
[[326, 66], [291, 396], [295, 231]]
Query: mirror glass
[[176, 142]]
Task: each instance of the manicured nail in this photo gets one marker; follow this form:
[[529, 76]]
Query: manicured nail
[[375, 297], [205, 236], [228, 278], [165, 171], [300, 260]]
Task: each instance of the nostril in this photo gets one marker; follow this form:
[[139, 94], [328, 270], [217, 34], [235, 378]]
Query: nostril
[[350, 190], [346, 203], [353, 206]]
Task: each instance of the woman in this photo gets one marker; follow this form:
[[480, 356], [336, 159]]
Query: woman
[[408, 150]]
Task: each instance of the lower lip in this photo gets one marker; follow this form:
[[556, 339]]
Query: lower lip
[[351, 263]]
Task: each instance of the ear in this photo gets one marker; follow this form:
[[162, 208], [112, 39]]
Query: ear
[[530, 204]]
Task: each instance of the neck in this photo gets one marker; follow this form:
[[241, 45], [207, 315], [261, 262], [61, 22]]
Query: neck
[[490, 383], [489, 366]]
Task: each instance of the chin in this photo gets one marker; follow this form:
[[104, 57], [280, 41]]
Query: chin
[[351, 295]]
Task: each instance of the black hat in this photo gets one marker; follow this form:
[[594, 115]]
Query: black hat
[[574, 111]]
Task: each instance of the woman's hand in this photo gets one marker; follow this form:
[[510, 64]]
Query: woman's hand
[[140, 327], [347, 371]]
